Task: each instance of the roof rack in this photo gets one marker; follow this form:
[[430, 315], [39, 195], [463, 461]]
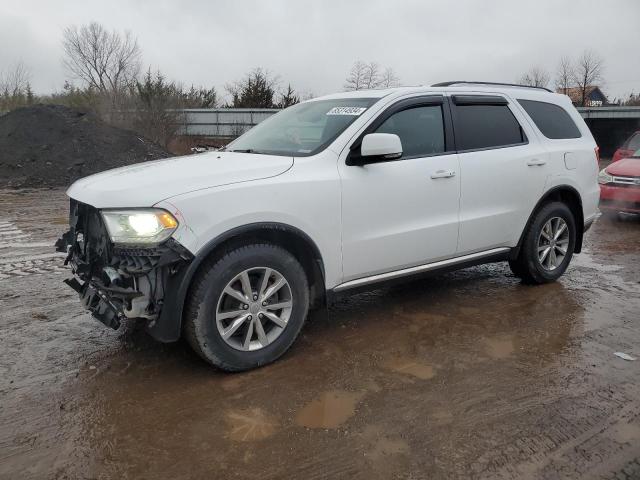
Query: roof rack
[[448, 84]]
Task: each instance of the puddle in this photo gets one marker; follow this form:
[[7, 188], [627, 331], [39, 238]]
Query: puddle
[[410, 367], [330, 410], [234, 382], [499, 348], [250, 425]]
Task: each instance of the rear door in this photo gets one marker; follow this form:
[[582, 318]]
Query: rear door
[[503, 169]]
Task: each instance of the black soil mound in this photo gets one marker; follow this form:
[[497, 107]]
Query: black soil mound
[[53, 145]]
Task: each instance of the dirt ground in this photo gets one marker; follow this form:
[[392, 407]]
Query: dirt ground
[[464, 375]]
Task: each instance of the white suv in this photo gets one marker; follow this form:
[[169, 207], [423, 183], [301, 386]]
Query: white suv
[[231, 248]]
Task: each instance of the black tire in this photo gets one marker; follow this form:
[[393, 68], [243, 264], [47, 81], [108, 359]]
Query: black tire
[[200, 328], [528, 266]]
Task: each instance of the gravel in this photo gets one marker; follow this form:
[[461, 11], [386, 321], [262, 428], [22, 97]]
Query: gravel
[[53, 145]]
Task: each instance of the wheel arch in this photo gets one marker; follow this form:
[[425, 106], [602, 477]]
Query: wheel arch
[[168, 327], [567, 195]]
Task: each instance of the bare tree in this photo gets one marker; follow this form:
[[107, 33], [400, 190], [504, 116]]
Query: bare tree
[[564, 75], [15, 89], [535, 77], [588, 72], [15, 82], [372, 76], [106, 61], [388, 79], [356, 78]]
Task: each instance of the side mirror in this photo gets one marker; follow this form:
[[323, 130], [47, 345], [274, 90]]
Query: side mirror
[[378, 147]]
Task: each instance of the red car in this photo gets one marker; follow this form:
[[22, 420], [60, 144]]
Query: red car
[[620, 185], [628, 148]]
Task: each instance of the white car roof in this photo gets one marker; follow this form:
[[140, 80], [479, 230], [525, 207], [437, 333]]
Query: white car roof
[[518, 92]]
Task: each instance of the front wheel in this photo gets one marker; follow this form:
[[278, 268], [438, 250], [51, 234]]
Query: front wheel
[[247, 308], [548, 245]]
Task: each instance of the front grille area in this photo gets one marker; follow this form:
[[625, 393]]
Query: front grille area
[[626, 181], [115, 282]]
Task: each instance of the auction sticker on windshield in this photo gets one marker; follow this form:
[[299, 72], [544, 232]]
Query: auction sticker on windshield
[[346, 111]]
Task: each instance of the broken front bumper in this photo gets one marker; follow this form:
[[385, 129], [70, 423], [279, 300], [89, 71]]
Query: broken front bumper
[[119, 282]]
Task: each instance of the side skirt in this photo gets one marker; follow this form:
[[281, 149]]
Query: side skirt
[[451, 264]]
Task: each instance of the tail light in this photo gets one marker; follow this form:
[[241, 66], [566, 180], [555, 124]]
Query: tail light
[[597, 150]]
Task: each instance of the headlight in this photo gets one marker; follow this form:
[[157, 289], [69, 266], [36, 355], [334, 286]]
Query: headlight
[[604, 177], [148, 226]]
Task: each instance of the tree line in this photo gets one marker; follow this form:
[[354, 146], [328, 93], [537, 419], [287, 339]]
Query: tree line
[[579, 74], [106, 77]]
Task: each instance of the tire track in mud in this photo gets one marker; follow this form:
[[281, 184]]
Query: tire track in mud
[[15, 253]]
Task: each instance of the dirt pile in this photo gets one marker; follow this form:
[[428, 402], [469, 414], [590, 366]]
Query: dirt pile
[[53, 145]]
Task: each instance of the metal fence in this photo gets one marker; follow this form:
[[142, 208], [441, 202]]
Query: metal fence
[[223, 122], [232, 122]]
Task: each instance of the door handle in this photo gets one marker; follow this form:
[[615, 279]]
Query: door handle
[[536, 162], [443, 174]]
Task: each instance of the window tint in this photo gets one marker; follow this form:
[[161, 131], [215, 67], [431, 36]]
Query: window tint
[[486, 126], [421, 130], [634, 142], [552, 120]]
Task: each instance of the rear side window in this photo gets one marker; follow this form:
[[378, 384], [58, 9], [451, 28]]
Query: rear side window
[[552, 120], [486, 126], [421, 130]]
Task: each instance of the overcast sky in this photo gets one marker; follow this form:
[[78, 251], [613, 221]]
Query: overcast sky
[[312, 44]]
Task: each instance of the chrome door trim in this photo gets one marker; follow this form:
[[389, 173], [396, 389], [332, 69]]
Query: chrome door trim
[[418, 269]]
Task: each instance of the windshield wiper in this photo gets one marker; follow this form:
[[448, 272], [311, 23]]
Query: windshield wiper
[[245, 150]]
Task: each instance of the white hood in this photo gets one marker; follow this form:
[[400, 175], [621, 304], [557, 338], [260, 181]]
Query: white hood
[[145, 184]]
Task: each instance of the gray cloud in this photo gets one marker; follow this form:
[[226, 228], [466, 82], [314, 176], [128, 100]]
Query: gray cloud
[[312, 44]]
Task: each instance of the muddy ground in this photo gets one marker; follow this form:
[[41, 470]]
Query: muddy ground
[[465, 375]]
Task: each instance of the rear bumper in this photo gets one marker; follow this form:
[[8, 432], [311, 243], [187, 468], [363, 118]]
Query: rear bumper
[[620, 198]]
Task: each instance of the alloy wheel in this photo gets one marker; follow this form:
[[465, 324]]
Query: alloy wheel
[[553, 243], [254, 308]]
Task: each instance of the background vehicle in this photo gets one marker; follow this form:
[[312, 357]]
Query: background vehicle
[[628, 148], [346, 191], [620, 186]]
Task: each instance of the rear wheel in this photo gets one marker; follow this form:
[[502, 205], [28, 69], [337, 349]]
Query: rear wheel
[[247, 308], [547, 246]]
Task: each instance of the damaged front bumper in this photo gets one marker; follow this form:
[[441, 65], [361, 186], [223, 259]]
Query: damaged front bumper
[[118, 282]]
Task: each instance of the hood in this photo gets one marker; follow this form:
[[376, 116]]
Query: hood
[[627, 167], [145, 184]]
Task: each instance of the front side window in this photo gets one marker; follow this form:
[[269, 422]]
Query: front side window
[[552, 120], [303, 129], [420, 128], [486, 126]]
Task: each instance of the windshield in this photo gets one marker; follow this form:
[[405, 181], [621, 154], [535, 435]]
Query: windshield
[[637, 154], [303, 129]]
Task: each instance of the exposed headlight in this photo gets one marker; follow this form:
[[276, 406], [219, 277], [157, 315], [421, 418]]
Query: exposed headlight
[[604, 177], [148, 226]]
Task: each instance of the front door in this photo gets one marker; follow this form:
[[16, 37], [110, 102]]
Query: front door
[[403, 212]]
